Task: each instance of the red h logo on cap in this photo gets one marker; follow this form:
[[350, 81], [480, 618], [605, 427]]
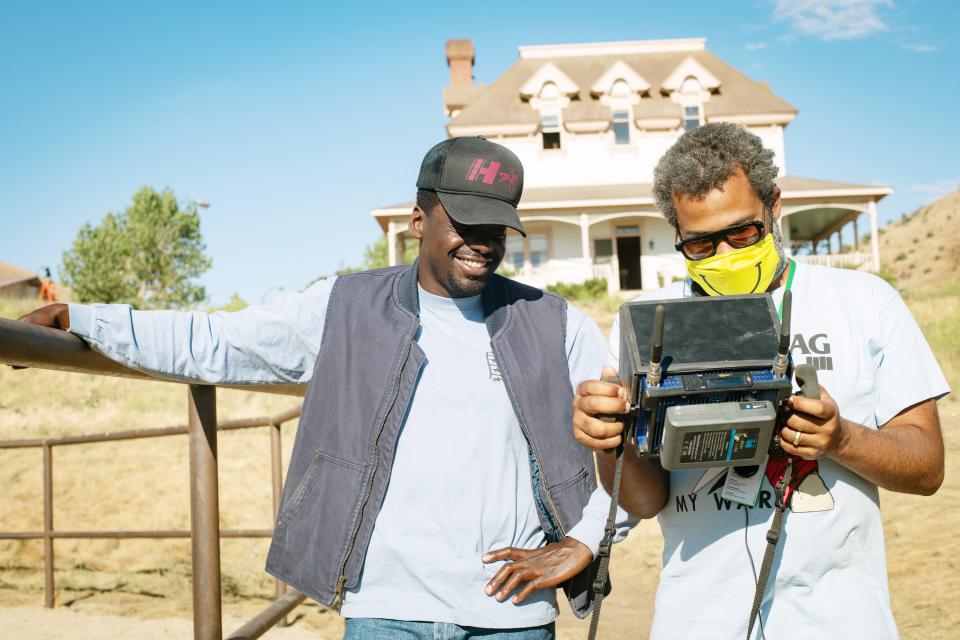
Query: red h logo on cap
[[489, 172]]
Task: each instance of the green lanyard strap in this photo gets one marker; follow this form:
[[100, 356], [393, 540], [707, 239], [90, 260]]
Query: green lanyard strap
[[792, 270]]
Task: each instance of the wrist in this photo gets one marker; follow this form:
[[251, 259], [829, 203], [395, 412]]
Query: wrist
[[846, 436], [63, 317], [576, 546]]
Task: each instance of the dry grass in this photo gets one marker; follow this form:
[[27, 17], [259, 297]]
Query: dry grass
[[922, 546], [143, 485], [918, 250], [140, 484]]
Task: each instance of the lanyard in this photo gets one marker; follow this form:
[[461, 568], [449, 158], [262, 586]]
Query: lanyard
[[791, 272]]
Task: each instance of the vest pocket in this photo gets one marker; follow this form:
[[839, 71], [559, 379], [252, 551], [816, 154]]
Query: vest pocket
[[292, 507], [570, 496], [566, 484], [315, 526]]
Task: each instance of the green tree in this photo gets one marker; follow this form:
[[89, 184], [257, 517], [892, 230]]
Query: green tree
[[149, 256], [376, 256], [236, 303]]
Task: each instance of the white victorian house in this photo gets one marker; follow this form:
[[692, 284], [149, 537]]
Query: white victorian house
[[590, 121]]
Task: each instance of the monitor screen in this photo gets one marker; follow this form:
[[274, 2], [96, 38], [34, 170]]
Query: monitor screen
[[707, 332]]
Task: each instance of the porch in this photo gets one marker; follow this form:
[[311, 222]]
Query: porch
[[821, 222], [615, 233]]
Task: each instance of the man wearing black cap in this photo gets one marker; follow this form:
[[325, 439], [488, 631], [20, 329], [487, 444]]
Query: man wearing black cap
[[434, 489]]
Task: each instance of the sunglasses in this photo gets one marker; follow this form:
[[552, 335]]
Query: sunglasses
[[737, 236]]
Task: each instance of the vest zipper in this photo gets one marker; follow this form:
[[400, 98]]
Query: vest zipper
[[342, 579], [338, 595], [526, 434]]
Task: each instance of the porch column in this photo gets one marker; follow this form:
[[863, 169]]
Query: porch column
[[856, 235], [613, 285], [874, 235], [785, 236], [392, 243], [585, 243]]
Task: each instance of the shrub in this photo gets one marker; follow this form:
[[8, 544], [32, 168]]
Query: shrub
[[887, 275], [593, 289]]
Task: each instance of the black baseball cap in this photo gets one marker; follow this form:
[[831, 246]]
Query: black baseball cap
[[477, 181]]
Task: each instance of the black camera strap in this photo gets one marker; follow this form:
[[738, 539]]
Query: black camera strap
[[609, 530], [773, 537], [809, 388]]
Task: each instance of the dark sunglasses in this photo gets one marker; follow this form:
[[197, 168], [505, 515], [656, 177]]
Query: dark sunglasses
[[737, 236]]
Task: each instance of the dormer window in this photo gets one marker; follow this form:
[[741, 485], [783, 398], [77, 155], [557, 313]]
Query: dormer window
[[619, 89], [691, 101], [549, 91], [550, 101], [690, 85], [621, 101], [550, 131], [621, 127]]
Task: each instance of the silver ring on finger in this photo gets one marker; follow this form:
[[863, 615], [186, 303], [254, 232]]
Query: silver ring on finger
[[796, 439]]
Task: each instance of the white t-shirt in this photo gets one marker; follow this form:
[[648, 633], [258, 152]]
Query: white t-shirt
[[829, 576], [460, 484]]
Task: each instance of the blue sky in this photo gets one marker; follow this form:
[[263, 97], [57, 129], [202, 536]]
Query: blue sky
[[295, 120]]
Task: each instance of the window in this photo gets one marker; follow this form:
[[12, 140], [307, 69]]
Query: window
[[602, 250], [538, 249], [691, 99], [620, 101], [621, 127], [514, 251], [550, 126], [550, 115]]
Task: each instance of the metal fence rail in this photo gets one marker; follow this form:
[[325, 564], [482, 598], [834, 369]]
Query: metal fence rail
[[25, 345]]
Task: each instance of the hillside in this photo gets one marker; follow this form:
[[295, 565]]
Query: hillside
[[918, 250]]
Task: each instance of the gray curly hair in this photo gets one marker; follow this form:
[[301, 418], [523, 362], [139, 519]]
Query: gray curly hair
[[703, 159]]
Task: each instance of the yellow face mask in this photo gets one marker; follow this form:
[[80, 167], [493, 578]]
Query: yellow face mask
[[747, 270]]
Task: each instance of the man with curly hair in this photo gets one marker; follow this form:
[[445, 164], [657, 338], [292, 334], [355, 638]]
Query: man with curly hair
[[874, 425]]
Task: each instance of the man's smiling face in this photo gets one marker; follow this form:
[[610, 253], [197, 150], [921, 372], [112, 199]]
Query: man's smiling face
[[456, 259]]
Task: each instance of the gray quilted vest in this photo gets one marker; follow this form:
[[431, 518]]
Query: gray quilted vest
[[362, 383]]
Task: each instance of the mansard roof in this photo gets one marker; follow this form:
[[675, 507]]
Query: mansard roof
[[501, 103]]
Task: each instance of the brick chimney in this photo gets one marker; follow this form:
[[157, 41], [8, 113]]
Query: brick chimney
[[460, 61]]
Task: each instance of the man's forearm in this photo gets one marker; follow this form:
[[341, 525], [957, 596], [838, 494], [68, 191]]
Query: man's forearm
[[254, 346], [899, 457], [643, 487]]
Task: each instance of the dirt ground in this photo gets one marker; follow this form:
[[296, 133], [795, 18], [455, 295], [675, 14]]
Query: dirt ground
[[112, 614], [107, 615]]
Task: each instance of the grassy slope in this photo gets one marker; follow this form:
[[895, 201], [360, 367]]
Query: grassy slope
[[922, 546], [143, 485], [919, 250]]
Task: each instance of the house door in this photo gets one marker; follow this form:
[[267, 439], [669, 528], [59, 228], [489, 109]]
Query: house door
[[628, 255]]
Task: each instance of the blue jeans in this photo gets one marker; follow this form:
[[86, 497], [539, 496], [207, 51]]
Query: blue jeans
[[381, 629]]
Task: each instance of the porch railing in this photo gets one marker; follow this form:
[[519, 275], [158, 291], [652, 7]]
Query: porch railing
[[26, 345], [853, 260]]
